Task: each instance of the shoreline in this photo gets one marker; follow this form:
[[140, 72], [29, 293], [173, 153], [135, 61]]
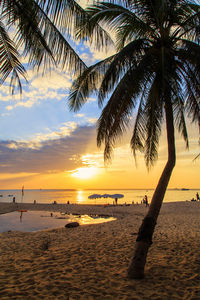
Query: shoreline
[[91, 261], [98, 209], [74, 207]]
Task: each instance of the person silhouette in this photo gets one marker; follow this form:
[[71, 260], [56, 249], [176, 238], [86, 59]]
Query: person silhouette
[[146, 200], [197, 196]]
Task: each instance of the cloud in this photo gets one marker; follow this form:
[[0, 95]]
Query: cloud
[[90, 99], [28, 103], [95, 54], [52, 155], [54, 85], [88, 58], [8, 176], [65, 130], [84, 3], [34, 97], [92, 120], [36, 141], [52, 80], [79, 115]]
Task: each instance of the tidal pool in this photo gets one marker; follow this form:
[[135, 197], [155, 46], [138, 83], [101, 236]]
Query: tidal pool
[[44, 220]]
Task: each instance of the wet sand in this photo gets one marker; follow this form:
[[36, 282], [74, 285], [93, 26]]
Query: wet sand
[[90, 261]]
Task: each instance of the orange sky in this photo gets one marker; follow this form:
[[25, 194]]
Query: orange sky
[[121, 173]]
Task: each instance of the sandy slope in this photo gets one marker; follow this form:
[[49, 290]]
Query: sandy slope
[[90, 262]]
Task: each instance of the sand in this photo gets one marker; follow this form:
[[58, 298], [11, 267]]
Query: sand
[[90, 261]]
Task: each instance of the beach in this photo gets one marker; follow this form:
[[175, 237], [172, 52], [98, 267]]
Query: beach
[[91, 261]]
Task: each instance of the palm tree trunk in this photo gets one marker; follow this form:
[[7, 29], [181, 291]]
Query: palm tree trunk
[[144, 238]]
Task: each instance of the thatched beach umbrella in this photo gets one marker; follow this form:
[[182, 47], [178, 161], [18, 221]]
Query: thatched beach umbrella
[[94, 196], [105, 195], [116, 197]]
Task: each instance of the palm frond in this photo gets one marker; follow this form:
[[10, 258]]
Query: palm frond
[[41, 40], [115, 116], [25, 15], [178, 101], [193, 104], [189, 51], [192, 91], [139, 131], [179, 114], [63, 13], [69, 15], [10, 64], [153, 115], [188, 16], [87, 83], [113, 17], [122, 61]]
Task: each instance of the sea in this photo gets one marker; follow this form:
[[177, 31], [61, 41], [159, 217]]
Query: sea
[[128, 196]]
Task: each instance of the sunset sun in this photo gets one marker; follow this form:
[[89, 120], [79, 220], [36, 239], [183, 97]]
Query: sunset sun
[[84, 173]]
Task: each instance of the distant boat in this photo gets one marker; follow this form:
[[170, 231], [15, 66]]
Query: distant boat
[[185, 189]]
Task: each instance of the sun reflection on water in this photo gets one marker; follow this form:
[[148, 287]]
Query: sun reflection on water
[[79, 196]]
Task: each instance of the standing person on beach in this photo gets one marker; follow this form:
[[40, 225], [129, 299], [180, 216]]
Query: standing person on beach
[[146, 200], [197, 196]]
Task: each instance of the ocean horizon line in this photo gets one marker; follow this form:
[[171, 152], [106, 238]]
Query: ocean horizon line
[[94, 189]]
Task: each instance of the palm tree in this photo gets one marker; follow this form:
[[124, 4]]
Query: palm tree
[[41, 31], [155, 73]]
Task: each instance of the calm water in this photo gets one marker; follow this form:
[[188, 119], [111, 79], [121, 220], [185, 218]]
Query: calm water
[[81, 196], [42, 220]]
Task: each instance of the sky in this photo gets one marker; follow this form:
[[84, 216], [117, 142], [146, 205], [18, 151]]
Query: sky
[[45, 145]]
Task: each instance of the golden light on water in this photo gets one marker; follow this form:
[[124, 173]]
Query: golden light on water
[[85, 172], [79, 196]]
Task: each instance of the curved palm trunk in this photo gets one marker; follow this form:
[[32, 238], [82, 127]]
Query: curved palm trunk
[[144, 238]]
